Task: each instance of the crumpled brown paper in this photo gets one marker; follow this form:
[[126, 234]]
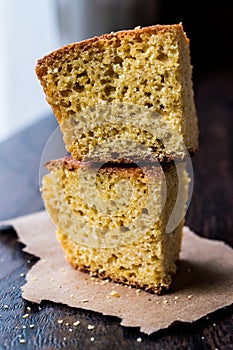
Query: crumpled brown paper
[[203, 283]]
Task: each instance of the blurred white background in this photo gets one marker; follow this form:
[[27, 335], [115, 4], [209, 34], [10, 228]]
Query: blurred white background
[[28, 31]]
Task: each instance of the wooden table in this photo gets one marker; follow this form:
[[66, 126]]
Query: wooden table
[[210, 215]]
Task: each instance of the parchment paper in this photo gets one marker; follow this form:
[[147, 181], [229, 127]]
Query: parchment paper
[[203, 283]]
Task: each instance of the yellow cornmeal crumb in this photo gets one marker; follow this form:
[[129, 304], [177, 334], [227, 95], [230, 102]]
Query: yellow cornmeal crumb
[[147, 67], [114, 294], [149, 260]]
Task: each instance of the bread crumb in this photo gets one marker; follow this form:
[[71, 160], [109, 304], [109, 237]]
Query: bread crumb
[[60, 321], [22, 274], [22, 341], [34, 278], [92, 338], [114, 294], [6, 306], [189, 296], [176, 297], [26, 316], [76, 323], [165, 302], [105, 281], [139, 340], [84, 300], [28, 308], [32, 326], [90, 326]]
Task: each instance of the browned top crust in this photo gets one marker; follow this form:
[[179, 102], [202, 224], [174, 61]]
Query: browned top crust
[[67, 162], [84, 45], [151, 170]]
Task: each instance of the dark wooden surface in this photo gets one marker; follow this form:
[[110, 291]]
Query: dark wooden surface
[[210, 215]]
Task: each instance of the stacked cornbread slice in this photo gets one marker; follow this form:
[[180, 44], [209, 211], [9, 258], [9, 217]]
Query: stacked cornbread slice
[[124, 101], [88, 83]]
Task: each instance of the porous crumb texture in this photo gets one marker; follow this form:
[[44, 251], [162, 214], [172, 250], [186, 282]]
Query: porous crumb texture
[[115, 227], [148, 68]]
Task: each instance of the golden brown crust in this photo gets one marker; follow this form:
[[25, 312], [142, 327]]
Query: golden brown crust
[[154, 290], [151, 170], [67, 162], [84, 45]]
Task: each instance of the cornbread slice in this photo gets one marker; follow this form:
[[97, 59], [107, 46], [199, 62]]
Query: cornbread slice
[[124, 95], [112, 220]]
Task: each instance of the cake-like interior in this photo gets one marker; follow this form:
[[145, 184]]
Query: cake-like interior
[[128, 88], [111, 220]]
